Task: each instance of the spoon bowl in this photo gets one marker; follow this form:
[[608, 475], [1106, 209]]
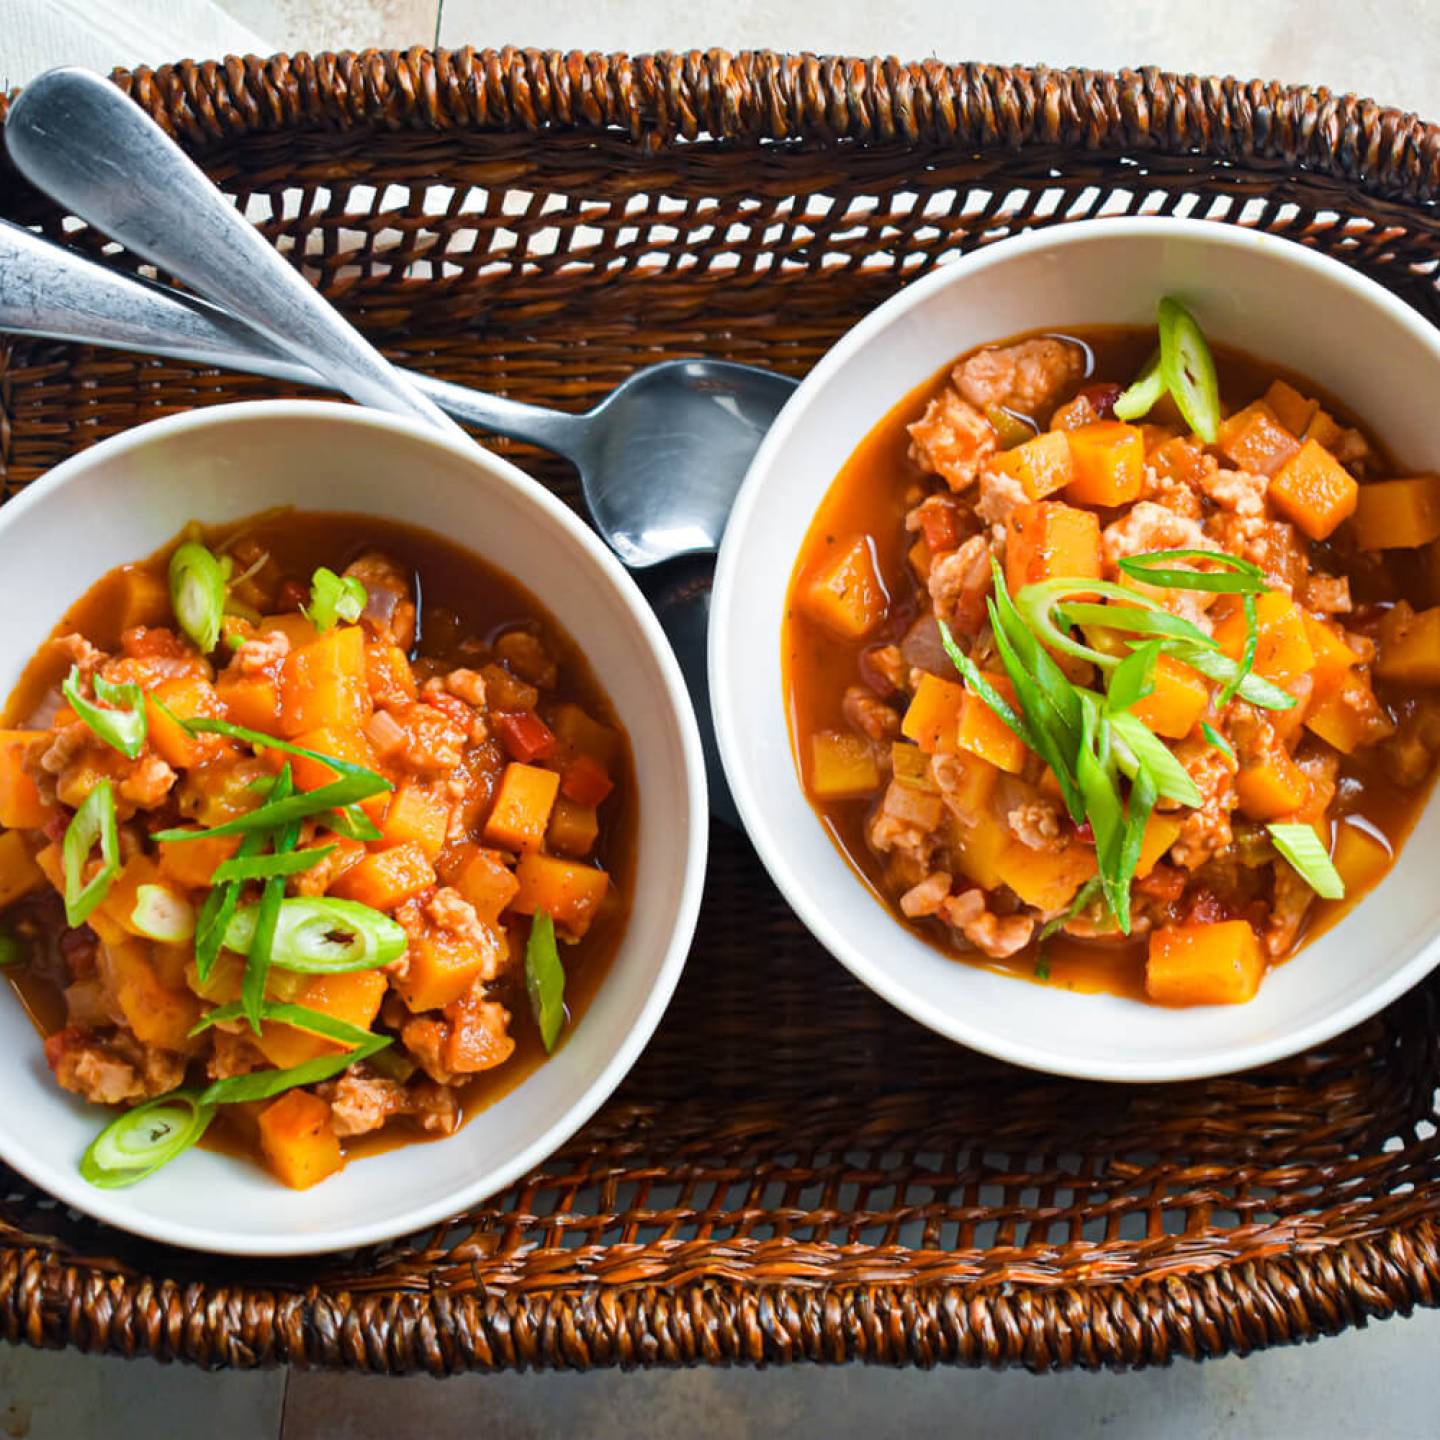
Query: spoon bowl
[[662, 457]]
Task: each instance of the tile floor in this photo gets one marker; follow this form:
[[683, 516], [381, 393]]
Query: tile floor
[[1377, 1381]]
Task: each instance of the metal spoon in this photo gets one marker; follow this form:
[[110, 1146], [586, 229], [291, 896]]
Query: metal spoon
[[660, 459]]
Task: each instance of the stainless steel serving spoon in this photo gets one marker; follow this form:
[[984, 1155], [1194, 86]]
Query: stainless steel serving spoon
[[660, 459]]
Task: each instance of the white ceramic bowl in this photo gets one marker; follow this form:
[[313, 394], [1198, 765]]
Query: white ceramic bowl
[[123, 499], [1270, 297]]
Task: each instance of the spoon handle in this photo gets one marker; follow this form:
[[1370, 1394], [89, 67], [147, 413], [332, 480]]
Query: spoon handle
[[76, 137], [53, 291]]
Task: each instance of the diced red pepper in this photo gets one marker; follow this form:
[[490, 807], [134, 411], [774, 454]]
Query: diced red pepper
[[584, 781], [940, 525], [525, 735]]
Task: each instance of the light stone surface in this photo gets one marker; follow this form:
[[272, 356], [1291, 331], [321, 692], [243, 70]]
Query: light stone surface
[[1372, 1382]]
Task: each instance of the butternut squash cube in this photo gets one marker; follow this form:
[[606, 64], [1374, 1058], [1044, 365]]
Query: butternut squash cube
[[1047, 881], [570, 891], [387, 878], [1333, 657], [977, 848], [845, 595], [1290, 407], [417, 814], [344, 743], [19, 872], [982, 732], [297, 1140], [1314, 491], [1409, 648], [322, 684], [488, 883], [1253, 439], [21, 807], [1220, 963], [1042, 465], [250, 700], [183, 697], [156, 1013], [1109, 461], [190, 863], [842, 767], [1161, 832], [1177, 703], [521, 811], [574, 828], [1350, 718], [933, 714], [1361, 856], [439, 969], [1272, 787], [1398, 514], [1283, 649], [353, 996], [1050, 540]]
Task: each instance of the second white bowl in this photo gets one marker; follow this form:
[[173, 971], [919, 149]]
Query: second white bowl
[[1270, 297]]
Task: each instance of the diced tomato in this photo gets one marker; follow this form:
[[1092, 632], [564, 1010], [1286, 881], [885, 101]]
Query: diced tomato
[[585, 781], [1102, 399], [292, 595], [524, 735], [941, 527], [451, 706]]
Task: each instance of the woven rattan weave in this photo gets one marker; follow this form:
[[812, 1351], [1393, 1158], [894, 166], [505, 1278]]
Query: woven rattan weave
[[793, 1171]]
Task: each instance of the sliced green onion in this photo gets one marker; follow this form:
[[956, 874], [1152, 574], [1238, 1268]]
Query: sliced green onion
[[1237, 578], [1139, 747], [217, 911], [276, 813], [1138, 810], [1134, 677], [267, 914], [1214, 665], [197, 594], [321, 935], [1143, 393], [1037, 602], [545, 979], [1136, 622], [263, 1084], [333, 597], [122, 727], [269, 867], [970, 673], [302, 1016], [1218, 740], [1105, 813], [1188, 369], [1060, 695], [1247, 655], [206, 725], [1052, 742], [140, 1141], [1303, 848], [160, 914], [352, 823], [12, 948], [94, 820]]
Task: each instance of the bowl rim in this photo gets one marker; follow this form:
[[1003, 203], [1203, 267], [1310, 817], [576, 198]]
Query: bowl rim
[[69, 1187], [726, 702]]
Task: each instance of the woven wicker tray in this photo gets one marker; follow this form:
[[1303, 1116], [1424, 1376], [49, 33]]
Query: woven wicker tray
[[793, 1170]]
